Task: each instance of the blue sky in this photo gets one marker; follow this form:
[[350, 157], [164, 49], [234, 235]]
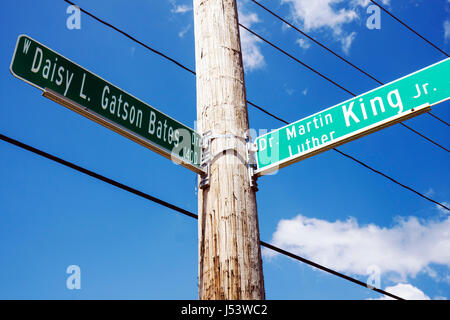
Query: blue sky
[[327, 208]]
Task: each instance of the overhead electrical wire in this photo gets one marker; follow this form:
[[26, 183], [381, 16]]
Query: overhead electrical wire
[[256, 106], [409, 28], [330, 50], [297, 60], [315, 41], [251, 103], [332, 81], [443, 121], [178, 209], [132, 38], [395, 181]]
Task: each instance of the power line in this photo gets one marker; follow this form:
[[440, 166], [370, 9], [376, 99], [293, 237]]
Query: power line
[[132, 38], [328, 49], [384, 175], [393, 180], [318, 266], [251, 103], [297, 60], [267, 112], [443, 121], [254, 105], [332, 81], [94, 175], [178, 209], [425, 137], [409, 28], [315, 41]]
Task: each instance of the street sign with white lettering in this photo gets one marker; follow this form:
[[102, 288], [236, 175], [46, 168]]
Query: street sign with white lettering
[[394, 102], [86, 93]]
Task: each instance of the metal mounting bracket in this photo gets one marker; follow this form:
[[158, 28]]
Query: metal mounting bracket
[[252, 148], [207, 158]]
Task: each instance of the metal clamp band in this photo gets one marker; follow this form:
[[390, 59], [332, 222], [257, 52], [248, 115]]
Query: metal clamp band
[[207, 159]]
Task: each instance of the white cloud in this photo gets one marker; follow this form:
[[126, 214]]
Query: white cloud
[[289, 91], [430, 191], [184, 31], [365, 3], [305, 91], [347, 42], [320, 13], [304, 44], [252, 56], [328, 15], [405, 249], [406, 291], [180, 8], [248, 19], [447, 29], [443, 210]]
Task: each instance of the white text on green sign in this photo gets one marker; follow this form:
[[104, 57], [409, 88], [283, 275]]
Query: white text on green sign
[[356, 117], [86, 93]]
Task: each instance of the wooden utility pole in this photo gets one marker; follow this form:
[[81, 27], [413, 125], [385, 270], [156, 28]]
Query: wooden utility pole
[[230, 264]]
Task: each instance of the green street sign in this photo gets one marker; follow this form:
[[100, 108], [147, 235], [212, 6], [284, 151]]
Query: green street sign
[[394, 102], [95, 98]]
